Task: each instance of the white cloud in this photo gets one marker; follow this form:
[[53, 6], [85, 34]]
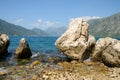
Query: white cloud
[[43, 24], [48, 23], [19, 20], [86, 18], [39, 20]]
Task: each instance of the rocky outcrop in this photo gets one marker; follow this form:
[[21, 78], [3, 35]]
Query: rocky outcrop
[[76, 42], [4, 43], [23, 51], [107, 50]]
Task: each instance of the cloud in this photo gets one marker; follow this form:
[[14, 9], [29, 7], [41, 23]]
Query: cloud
[[39, 20], [48, 23], [19, 20], [87, 18], [42, 24]]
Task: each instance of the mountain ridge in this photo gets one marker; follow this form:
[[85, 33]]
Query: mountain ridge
[[11, 29], [106, 27], [103, 27]]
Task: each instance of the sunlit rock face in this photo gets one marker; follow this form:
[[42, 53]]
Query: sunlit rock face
[[107, 50], [4, 43], [76, 42], [23, 51]]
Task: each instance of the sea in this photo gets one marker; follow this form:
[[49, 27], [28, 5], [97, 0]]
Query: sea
[[41, 48], [37, 44]]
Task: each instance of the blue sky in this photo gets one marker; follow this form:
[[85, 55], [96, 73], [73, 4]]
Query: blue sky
[[54, 13]]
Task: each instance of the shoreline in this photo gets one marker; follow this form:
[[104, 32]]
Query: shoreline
[[45, 67], [60, 70]]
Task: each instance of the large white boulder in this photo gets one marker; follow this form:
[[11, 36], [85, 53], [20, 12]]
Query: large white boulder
[[76, 42]]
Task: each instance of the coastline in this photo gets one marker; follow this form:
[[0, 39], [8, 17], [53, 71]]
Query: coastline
[[58, 69]]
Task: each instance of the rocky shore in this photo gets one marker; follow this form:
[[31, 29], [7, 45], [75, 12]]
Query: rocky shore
[[60, 71], [86, 58]]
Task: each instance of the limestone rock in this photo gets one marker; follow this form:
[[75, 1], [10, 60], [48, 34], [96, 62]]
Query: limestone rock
[[107, 50], [76, 42], [4, 43], [23, 51]]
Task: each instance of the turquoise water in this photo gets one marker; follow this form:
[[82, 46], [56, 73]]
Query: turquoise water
[[36, 43], [42, 49], [45, 46]]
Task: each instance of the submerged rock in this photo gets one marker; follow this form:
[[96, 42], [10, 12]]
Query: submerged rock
[[23, 51], [107, 50], [4, 43], [76, 42]]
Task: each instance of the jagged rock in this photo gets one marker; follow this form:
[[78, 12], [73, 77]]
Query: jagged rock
[[107, 50], [76, 42], [23, 51], [4, 43]]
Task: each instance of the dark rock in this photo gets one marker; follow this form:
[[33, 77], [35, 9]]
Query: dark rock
[[23, 51], [4, 43]]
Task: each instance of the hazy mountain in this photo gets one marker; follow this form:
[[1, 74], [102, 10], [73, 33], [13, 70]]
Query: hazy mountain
[[103, 27], [12, 29], [55, 31], [109, 26], [39, 32]]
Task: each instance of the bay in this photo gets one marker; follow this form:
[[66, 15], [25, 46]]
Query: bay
[[36, 43]]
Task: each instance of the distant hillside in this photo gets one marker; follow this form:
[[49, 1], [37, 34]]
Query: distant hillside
[[55, 31], [12, 29], [39, 32], [104, 27]]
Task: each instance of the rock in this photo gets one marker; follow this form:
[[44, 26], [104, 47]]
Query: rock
[[23, 51], [34, 77], [76, 42], [34, 63], [107, 50], [4, 43], [2, 73]]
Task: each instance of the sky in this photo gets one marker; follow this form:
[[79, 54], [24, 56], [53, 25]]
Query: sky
[[43, 14]]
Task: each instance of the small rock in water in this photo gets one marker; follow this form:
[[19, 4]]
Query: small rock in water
[[23, 51]]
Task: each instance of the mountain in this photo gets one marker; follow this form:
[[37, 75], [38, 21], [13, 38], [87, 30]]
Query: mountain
[[55, 31], [12, 29], [109, 26], [103, 27], [39, 32]]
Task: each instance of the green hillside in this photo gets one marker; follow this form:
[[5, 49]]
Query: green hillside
[[109, 26], [104, 27], [12, 29]]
